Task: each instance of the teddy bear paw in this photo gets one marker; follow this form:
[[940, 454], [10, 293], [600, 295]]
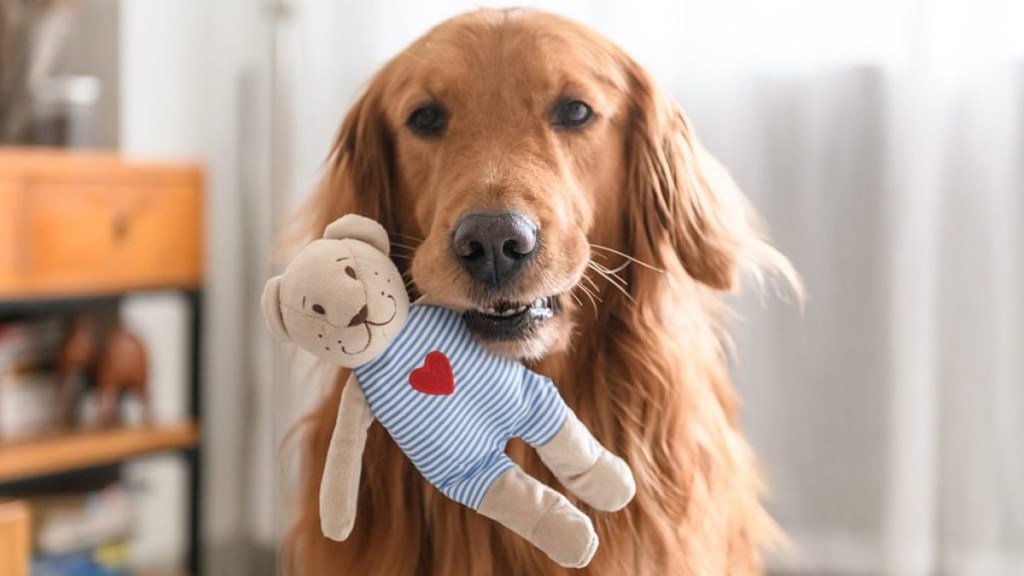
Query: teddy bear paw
[[566, 535], [607, 486]]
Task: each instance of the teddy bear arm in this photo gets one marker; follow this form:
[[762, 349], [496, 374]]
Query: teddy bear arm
[[339, 486]]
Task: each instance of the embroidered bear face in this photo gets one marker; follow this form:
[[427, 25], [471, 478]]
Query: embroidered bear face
[[341, 298]]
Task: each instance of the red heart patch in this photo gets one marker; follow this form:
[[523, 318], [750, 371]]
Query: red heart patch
[[435, 376]]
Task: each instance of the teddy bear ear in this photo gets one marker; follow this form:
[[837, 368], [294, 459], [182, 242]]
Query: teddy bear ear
[[271, 304], [359, 228]]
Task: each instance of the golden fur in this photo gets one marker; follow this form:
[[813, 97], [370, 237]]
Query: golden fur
[[643, 363]]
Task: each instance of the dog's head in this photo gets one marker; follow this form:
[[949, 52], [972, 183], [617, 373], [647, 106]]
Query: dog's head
[[510, 153]]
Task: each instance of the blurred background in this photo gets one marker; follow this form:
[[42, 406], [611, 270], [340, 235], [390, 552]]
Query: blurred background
[[153, 149]]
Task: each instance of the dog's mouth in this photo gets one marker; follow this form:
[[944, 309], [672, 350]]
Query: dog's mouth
[[506, 320]]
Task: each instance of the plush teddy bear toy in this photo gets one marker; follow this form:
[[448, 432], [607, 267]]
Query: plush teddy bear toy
[[449, 404]]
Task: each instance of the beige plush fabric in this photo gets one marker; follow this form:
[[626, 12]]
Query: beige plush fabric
[[587, 468], [339, 487], [355, 227], [542, 516]]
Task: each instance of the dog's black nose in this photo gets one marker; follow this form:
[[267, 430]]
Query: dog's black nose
[[494, 248]]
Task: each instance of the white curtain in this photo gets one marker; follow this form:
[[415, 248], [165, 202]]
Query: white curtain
[[883, 141]]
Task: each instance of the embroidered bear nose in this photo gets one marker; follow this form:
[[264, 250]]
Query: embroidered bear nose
[[360, 317], [319, 309]]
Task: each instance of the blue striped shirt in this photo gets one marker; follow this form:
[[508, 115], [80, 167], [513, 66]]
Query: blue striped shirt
[[455, 428]]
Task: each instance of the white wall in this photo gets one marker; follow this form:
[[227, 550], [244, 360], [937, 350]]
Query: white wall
[[163, 53], [190, 88], [161, 104]]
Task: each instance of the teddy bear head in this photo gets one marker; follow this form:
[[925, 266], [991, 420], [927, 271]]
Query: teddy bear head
[[341, 297]]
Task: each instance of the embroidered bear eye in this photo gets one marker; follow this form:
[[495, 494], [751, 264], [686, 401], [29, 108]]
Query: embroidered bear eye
[[351, 272]]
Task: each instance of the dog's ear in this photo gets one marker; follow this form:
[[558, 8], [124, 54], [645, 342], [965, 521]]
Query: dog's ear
[[359, 228], [681, 199], [271, 304], [358, 173]]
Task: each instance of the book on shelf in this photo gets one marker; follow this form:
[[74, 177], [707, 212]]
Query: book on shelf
[[81, 533], [110, 560], [26, 341], [28, 381]]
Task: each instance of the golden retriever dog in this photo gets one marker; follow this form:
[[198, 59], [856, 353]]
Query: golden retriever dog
[[534, 177]]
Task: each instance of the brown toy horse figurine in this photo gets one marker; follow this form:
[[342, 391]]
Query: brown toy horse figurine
[[123, 367], [119, 365], [77, 359]]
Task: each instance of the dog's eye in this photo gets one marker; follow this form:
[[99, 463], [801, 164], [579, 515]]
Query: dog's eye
[[572, 114], [428, 121], [351, 272]]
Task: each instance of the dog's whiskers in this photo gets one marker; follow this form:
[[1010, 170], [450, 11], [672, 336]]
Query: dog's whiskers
[[572, 293], [611, 275], [407, 279], [403, 246], [590, 295], [408, 237], [612, 278], [619, 268], [592, 283], [628, 257]]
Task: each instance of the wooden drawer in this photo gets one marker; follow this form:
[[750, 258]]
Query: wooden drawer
[[10, 208], [15, 539], [76, 229]]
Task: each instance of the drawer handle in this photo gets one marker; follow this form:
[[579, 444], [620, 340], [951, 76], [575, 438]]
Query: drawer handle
[[121, 227]]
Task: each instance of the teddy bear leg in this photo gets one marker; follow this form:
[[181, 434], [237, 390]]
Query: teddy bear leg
[[586, 468], [542, 516]]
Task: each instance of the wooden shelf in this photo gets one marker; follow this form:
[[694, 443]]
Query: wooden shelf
[[81, 229], [77, 450]]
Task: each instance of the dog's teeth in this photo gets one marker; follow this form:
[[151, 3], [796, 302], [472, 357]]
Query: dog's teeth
[[505, 310]]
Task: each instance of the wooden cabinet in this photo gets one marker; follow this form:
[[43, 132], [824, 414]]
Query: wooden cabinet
[[80, 229], [15, 538], [73, 223], [10, 198]]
